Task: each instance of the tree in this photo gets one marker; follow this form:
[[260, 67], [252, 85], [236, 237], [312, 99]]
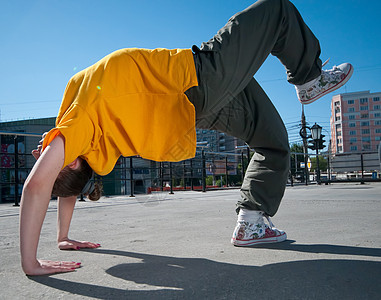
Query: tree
[[323, 163], [209, 180], [296, 158]]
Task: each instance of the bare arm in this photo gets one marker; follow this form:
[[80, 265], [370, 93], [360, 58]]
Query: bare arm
[[65, 213], [34, 203]]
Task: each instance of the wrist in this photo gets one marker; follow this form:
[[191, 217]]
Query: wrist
[[28, 266], [62, 239]]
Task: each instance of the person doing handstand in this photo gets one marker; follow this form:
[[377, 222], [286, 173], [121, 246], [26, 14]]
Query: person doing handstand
[[149, 103]]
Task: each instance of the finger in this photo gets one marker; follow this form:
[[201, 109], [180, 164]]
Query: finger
[[58, 269], [50, 270], [36, 154], [89, 245], [71, 264], [66, 264], [43, 137], [68, 247]]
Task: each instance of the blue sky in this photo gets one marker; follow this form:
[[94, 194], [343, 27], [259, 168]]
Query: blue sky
[[43, 43]]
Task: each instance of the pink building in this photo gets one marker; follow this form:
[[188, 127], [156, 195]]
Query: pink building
[[355, 122]]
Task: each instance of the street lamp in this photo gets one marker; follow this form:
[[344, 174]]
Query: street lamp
[[316, 132], [316, 135]]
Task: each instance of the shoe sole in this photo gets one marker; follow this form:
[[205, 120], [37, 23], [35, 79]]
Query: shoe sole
[[245, 243], [339, 85]]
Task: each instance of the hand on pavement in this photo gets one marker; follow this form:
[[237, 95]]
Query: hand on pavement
[[45, 267], [76, 245]]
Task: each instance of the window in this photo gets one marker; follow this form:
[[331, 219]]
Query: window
[[352, 132], [375, 99], [378, 122], [339, 141], [337, 118], [365, 131], [353, 148], [366, 147], [366, 139], [377, 115], [340, 149], [338, 133], [377, 138], [352, 124], [352, 117], [378, 130], [364, 107], [351, 109], [351, 101], [337, 103], [364, 116], [365, 123], [363, 100], [376, 107], [353, 140]]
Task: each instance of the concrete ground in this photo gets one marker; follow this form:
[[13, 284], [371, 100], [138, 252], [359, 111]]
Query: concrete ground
[[178, 247]]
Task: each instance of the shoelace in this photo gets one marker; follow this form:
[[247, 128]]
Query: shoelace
[[332, 74], [269, 220]]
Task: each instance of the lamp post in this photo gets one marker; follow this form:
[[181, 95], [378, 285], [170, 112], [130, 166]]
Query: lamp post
[[316, 135]]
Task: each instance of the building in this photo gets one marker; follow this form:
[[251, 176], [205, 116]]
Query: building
[[145, 173], [355, 122], [25, 145], [218, 141]]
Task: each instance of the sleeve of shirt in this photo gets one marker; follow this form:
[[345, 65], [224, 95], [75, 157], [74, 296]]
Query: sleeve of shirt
[[78, 131]]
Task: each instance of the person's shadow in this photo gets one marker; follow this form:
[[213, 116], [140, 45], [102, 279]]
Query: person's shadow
[[198, 278]]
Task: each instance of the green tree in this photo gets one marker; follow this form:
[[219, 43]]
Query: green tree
[[323, 163], [296, 158], [218, 182], [209, 180]]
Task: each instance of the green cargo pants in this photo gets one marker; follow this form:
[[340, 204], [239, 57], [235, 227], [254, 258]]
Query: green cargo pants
[[230, 100]]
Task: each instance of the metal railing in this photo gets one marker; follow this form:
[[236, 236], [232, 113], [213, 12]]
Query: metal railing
[[336, 168], [10, 166], [131, 175], [206, 171]]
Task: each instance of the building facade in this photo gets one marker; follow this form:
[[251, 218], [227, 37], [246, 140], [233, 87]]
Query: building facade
[[218, 141], [145, 173], [355, 122], [25, 145]]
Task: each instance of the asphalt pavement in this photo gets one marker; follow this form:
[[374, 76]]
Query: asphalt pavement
[[164, 246]]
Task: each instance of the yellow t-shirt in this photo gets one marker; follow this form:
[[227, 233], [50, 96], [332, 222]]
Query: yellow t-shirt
[[131, 102]]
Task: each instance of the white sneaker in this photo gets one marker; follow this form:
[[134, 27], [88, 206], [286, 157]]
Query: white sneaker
[[327, 82], [254, 232]]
